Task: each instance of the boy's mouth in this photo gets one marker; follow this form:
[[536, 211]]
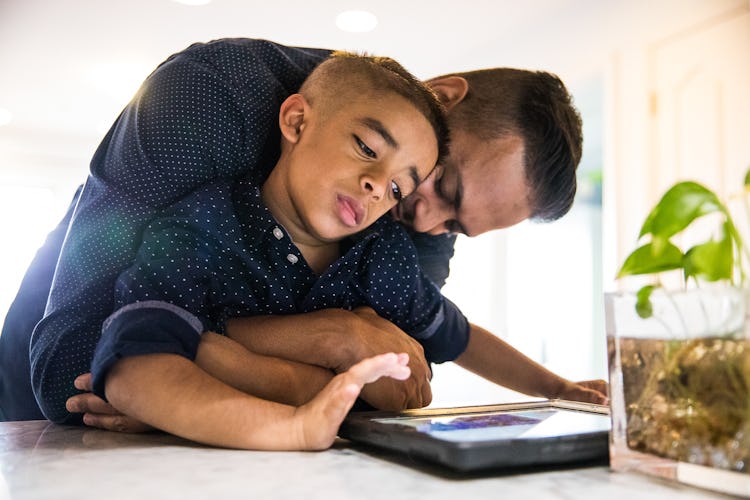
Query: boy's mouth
[[350, 211]]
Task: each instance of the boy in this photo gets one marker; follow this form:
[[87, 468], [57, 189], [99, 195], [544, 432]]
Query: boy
[[361, 134]]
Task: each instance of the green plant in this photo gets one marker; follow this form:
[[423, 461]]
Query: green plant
[[721, 258]]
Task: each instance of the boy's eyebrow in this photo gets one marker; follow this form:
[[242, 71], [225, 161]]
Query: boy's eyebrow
[[378, 127]]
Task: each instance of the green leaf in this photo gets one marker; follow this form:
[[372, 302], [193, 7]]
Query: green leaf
[[643, 305], [747, 179], [681, 205], [650, 258], [712, 261]]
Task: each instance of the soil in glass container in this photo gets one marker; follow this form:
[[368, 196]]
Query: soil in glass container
[[689, 400]]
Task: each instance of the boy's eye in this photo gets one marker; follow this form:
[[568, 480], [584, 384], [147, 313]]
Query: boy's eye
[[396, 191], [365, 150]]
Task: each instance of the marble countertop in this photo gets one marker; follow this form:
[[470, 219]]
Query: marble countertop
[[39, 460]]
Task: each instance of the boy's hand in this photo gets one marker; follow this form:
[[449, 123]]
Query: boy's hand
[[98, 413]]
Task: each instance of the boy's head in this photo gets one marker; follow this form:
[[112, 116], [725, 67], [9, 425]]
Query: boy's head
[[360, 135]]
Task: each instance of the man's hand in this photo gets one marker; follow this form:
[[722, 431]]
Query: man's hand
[[375, 335], [98, 413], [337, 339]]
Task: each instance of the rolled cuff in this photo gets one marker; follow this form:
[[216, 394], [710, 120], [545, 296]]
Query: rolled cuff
[[149, 327], [447, 336]]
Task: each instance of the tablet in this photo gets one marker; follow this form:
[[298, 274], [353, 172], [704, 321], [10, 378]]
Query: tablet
[[486, 437]]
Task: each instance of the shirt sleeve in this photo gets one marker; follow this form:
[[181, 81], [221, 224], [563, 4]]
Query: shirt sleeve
[[206, 113], [398, 290], [163, 302]]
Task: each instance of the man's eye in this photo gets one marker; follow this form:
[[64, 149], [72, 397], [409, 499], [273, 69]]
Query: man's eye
[[396, 191], [365, 150], [439, 175]]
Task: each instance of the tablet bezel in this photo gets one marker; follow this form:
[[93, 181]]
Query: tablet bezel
[[364, 427]]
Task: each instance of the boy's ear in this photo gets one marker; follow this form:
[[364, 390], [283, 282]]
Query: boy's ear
[[450, 89], [292, 117]]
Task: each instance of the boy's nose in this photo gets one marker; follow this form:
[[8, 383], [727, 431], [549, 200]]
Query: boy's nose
[[374, 187]]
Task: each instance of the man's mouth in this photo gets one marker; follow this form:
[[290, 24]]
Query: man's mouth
[[350, 211]]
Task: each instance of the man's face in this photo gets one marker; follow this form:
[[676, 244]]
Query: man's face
[[480, 186], [354, 164]]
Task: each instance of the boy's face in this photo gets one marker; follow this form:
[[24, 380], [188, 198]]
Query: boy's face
[[352, 164]]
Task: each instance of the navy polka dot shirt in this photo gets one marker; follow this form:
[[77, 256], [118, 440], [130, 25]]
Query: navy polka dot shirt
[[219, 253], [206, 113]]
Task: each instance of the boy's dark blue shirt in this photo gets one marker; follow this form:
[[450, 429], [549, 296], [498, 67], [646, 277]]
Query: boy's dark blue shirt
[[219, 253]]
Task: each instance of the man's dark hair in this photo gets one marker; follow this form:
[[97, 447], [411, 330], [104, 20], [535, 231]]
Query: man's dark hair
[[537, 106], [347, 73]]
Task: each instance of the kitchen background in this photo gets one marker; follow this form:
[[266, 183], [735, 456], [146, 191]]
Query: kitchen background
[[663, 87]]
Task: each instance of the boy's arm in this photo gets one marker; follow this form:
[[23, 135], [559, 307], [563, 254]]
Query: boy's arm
[[336, 339], [274, 379], [172, 393], [497, 361]]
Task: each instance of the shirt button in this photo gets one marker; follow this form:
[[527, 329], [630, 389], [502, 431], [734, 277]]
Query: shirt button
[[278, 233], [292, 258]]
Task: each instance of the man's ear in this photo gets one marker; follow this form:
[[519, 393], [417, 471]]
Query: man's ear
[[292, 117], [450, 89]]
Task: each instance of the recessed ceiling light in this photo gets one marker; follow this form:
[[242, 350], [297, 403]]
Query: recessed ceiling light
[[193, 2], [5, 117], [356, 21]]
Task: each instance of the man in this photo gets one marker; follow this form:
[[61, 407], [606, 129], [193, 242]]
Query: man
[[137, 152]]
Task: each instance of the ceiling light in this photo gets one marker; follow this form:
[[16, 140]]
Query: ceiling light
[[356, 21], [5, 117]]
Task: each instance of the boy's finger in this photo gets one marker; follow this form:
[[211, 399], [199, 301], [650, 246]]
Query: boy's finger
[[371, 369]]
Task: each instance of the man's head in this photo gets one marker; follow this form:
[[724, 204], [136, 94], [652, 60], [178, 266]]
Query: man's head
[[361, 134], [515, 145]]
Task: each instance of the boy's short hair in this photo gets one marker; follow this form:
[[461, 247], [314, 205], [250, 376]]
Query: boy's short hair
[[537, 106], [345, 74]]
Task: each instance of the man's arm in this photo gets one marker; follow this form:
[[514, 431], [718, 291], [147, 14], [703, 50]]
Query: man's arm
[[497, 361], [266, 377], [336, 339]]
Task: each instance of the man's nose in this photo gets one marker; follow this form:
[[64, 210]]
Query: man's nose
[[431, 217]]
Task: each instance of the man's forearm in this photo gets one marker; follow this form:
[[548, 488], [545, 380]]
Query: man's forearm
[[266, 377], [336, 339], [494, 359], [317, 338], [172, 393]]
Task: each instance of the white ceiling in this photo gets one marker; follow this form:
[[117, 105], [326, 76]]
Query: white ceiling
[[67, 67]]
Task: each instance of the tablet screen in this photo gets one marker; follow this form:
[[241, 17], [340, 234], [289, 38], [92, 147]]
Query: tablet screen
[[492, 426]]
